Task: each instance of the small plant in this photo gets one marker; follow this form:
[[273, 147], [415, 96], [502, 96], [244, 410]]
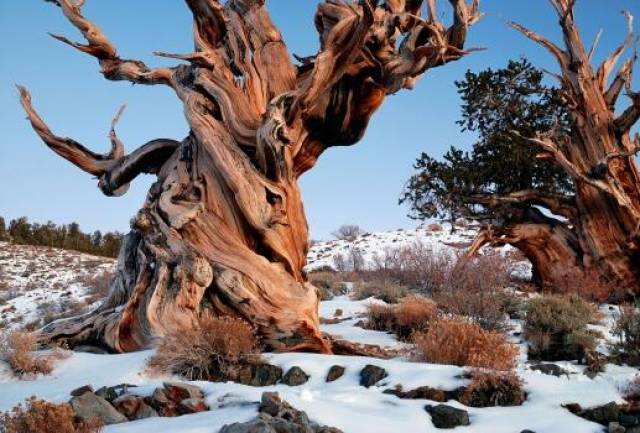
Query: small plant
[[493, 389], [627, 331], [556, 327], [213, 349], [39, 416], [328, 283], [463, 343], [386, 291], [413, 314], [18, 348]]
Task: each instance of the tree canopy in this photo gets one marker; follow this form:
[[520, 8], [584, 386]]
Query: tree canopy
[[503, 107]]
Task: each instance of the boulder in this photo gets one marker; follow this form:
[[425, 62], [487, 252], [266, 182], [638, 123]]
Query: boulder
[[110, 393], [192, 405], [443, 416], [372, 374], [90, 406], [160, 402], [602, 414], [79, 391], [259, 374], [177, 391], [144, 411], [423, 392], [127, 405], [295, 377], [615, 427], [335, 373], [550, 369]]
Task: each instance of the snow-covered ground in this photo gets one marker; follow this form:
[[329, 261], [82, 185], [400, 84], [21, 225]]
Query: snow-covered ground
[[32, 275], [343, 403]]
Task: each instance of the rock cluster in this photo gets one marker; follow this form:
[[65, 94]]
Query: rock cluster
[[116, 404], [277, 416]]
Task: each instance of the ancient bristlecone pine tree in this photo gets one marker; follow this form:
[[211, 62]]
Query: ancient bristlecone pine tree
[[601, 226], [223, 228]]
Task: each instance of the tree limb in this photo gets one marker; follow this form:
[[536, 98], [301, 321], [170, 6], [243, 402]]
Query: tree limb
[[560, 55], [609, 63], [115, 170], [630, 116], [559, 204], [99, 46]]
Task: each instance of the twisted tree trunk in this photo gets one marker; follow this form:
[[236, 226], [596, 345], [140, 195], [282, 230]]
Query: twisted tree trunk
[[600, 228], [223, 228]]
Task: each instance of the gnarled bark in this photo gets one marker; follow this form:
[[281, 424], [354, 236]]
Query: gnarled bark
[[603, 219], [223, 228]]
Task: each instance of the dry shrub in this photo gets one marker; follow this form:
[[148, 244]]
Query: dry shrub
[[556, 327], [40, 416], [18, 348], [475, 288], [632, 391], [213, 348], [588, 284], [462, 343], [328, 283], [412, 314], [98, 286], [627, 331], [493, 389], [386, 291]]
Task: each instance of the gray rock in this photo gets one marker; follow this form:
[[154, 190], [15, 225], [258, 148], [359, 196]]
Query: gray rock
[[255, 426], [615, 427], [527, 431], [372, 374], [110, 393], [261, 374], [88, 406], [90, 349], [602, 414], [335, 373], [443, 416], [550, 369], [295, 377], [192, 405], [144, 411], [134, 407]]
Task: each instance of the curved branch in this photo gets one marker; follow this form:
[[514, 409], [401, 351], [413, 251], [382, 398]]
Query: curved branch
[[630, 116], [114, 169], [610, 62], [560, 55], [99, 46], [559, 204]]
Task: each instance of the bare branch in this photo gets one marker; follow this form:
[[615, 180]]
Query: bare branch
[[630, 116], [622, 80], [594, 45], [560, 55], [607, 66], [99, 46], [114, 169], [209, 23], [557, 203]]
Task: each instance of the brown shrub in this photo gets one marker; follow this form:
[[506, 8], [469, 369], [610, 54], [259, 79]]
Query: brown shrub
[[40, 416], [462, 343], [328, 283], [475, 288], [556, 327], [493, 389], [412, 314], [17, 349], [214, 347], [98, 286], [386, 291]]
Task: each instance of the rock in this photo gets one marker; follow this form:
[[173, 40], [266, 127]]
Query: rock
[[550, 369], [260, 374], [574, 408], [527, 431], [163, 404], [628, 420], [423, 392], [127, 405], [144, 411], [372, 374], [192, 405], [79, 391], [295, 377], [443, 416], [90, 349], [110, 393], [335, 373], [615, 427], [177, 391], [88, 406], [277, 416], [602, 414]]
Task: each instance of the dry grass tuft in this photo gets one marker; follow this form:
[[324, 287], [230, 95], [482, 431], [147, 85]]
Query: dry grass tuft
[[18, 348], [463, 343], [40, 416], [493, 389], [412, 314], [384, 290], [212, 348], [627, 331]]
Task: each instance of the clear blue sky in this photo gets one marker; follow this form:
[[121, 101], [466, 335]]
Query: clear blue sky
[[358, 184]]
